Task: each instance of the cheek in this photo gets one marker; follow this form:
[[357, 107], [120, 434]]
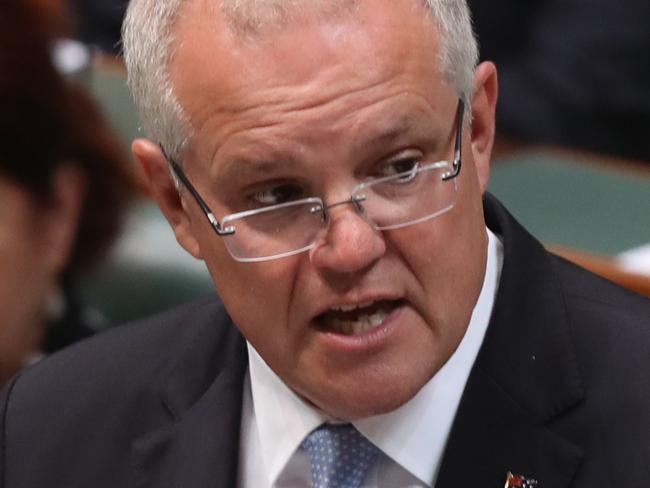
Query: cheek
[[10, 286], [27, 277], [24, 269], [24, 290], [256, 295], [446, 257]]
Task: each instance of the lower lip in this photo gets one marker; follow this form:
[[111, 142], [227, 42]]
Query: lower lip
[[372, 338]]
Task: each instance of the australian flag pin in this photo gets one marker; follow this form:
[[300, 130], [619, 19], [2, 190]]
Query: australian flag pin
[[519, 481]]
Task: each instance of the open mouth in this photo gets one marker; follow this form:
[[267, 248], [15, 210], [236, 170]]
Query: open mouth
[[357, 319]]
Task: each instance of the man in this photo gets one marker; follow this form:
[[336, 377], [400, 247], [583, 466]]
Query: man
[[340, 151]]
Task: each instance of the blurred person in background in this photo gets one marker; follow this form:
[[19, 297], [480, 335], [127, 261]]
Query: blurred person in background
[[573, 73], [63, 188]]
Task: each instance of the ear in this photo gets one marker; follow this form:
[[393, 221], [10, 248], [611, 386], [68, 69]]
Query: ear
[[60, 218], [163, 190], [484, 100]]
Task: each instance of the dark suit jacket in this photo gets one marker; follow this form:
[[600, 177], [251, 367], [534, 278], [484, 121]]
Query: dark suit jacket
[[560, 392]]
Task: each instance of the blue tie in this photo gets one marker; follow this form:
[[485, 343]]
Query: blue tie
[[340, 456]]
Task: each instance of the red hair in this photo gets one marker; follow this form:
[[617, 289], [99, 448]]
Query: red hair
[[47, 121]]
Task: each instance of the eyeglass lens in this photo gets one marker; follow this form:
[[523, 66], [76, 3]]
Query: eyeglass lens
[[387, 203]]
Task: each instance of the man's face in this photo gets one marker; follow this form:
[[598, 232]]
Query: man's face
[[318, 105]]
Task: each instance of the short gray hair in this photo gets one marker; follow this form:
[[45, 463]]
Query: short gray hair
[[148, 47]]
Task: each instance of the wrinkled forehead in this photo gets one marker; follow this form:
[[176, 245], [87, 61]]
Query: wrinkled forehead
[[244, 48]]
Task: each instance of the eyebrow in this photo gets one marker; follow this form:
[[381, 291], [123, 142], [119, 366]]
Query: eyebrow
[[241, 166], [405, 125]]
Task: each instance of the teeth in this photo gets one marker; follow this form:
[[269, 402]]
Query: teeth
[[362, 324], [351, 307]]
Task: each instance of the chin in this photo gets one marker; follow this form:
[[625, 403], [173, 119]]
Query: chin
[[362, 401]]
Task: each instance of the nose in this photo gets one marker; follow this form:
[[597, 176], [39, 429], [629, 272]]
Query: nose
[[349, 243]]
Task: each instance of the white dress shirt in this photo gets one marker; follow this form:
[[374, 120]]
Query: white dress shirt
[[412, 438]]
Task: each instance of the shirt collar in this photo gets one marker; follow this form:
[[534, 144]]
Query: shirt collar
[[414, 435]]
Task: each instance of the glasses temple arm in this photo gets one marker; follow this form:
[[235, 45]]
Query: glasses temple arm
[[458, 145], [180, 174]]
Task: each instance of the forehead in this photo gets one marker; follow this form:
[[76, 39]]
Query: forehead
[[306, 61]]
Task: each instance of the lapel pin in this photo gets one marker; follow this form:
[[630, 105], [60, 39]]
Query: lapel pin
[[519, 481]]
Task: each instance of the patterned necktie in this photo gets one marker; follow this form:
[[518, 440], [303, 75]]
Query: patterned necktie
[[340, 456]]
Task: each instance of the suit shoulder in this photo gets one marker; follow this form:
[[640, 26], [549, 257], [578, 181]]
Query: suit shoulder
[[121, 359], [598, 295], [99, 395], [610, 326]]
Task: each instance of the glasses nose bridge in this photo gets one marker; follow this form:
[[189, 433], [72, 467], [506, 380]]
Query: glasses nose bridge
[[356, 201], [347, 242]]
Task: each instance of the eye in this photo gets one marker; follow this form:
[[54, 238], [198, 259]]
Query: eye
[[405, 165], [277, 193]]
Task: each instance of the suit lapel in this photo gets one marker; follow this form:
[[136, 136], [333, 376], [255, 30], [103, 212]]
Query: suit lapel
[[524, 379], [492, 435], [199, 446]]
